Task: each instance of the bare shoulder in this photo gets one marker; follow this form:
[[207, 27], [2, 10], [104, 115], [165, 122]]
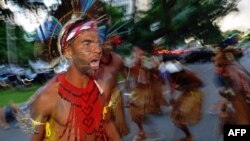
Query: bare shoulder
[[45, 97], [48, 91], [117, 58]]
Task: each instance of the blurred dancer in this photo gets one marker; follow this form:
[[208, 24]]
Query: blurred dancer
[[164, 75], [111, 65], [237, 88], [147, 96], [7, 115], [187, 107]]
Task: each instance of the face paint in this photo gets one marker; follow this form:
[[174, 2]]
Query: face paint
[[86, 52]]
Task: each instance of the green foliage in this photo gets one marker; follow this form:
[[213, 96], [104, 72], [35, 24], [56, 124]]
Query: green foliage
[[116, 14], [3, 43], [24, 49], [124, 49], [181, 19]]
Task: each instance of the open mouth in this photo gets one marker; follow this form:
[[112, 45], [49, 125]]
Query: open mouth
[[94, 64]]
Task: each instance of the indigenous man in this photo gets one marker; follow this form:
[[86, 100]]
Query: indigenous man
[[110, 66], [237, 84], [187, 107], [147, 96], [69, 107]]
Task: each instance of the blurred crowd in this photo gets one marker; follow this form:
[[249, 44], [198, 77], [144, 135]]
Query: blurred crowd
[[88, 77], [146, 79]]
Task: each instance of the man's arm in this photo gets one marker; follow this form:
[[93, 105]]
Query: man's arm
[[40, 109]]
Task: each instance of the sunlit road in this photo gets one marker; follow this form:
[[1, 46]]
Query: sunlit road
[[160, 127]]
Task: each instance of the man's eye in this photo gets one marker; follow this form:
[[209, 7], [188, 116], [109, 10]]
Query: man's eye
[[86, 43]]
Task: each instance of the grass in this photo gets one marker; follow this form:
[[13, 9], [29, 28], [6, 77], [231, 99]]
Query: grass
[[21, 95], [16, 95]]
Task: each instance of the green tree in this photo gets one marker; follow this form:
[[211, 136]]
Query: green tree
[[114, 13], [3, 43], [25, 50], [181, 19]]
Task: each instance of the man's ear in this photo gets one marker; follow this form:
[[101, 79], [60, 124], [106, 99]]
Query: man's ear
[[68, 52]]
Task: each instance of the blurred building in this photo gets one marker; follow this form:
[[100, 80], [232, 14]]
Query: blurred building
[[131, 8]]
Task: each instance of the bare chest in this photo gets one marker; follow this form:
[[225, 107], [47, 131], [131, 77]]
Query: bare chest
[[61, 125], [61, 112]]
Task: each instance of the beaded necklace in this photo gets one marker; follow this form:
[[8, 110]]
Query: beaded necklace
[[85, 113]]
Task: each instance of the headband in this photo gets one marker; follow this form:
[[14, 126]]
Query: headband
[[68, 37]]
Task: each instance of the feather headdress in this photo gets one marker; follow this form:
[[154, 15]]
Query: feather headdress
[[92, 9]]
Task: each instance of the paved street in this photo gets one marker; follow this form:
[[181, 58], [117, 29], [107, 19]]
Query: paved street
[[160, 127]]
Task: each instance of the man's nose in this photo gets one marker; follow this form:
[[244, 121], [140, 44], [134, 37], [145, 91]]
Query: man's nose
[[97, 49]]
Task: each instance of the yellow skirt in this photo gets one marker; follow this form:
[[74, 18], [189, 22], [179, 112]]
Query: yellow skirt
[[118, 112], [146, 99], [156, 98], [187, 108], [138, 103]]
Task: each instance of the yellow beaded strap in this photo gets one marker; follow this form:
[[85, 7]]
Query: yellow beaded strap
[[47, 126], [36, 123]]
